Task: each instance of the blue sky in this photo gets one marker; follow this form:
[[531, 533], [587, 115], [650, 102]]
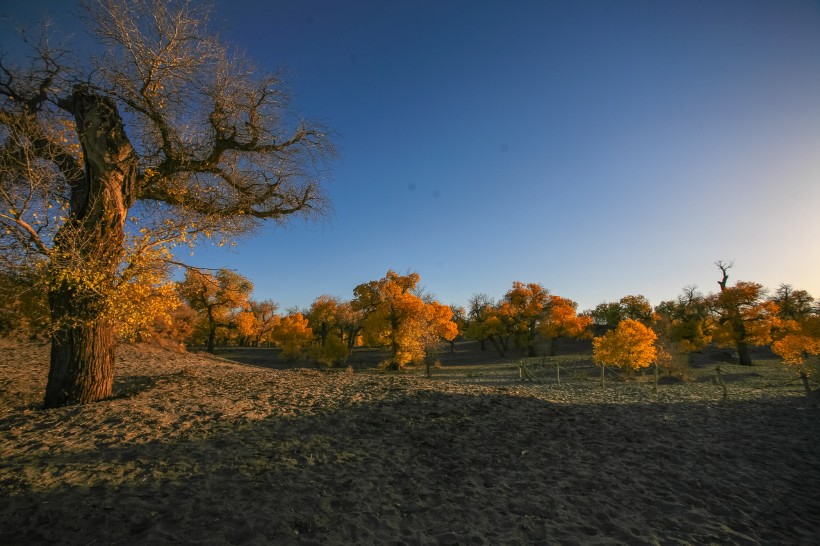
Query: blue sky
[[599, 148]]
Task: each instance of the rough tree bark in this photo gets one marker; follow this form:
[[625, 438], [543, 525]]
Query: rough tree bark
[[90, 245]]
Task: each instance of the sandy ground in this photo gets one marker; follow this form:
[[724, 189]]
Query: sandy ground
[[197, 450]]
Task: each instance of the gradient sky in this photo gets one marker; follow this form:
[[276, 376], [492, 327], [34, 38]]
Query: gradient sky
[[599, 148]]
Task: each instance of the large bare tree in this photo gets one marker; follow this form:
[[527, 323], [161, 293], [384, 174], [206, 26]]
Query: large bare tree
[[108, 161]]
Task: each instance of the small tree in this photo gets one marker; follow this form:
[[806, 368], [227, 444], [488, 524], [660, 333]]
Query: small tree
[[322, 316], [396, 316], [562, 320], [630, 346], [265, 319], [292, 334], [349, 324], [799, 341], [439, 325], [479, 307], [792, 304], [460, 320], [176, 329], [215, 297], [525, 305]]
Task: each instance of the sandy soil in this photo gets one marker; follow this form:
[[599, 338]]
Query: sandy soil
[[198, 450]]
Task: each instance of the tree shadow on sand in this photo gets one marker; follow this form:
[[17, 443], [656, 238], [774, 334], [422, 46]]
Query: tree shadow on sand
[[439, 468]]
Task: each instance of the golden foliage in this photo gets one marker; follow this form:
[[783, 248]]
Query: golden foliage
[[799, 340], [216, 297], [743, 316], [561, 319], [396, 317], [292, 334], [334, 351], [215, 294], [631, 345]]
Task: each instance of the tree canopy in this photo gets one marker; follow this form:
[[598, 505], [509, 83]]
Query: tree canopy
[[396, 316], [107, 162]]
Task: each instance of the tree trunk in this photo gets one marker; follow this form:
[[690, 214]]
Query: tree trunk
[[211, 339], [805, 379], [82, 358], [531, 331], [744, 356], [88, 249]]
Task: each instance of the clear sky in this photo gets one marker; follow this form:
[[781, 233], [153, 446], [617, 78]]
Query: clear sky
[[601, 148]]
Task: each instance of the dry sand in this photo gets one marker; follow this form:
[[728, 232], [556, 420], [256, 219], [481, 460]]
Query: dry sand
[[197, 450]]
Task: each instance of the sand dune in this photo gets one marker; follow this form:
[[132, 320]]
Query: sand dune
[[198, 450]]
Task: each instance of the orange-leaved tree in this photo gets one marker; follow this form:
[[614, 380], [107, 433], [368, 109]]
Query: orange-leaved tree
[[323, 316], [687, 320], [630, 346], [683, 326], [525, 305], [743, 317], [175, 330], [439, 325], [215, 296], [798, 340], [481, 308], [265, 320], [396, 316], [292, 334], [326, 316], [349, 324], [561, 319]]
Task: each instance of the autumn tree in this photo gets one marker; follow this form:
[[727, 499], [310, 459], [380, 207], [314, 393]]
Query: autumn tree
[[516, 316], [436, 325], [480, 307], [799, 340], [396, 316], [460, 320], [292, 334], [685, 323], [630, 346], [326, 317], [209, 151], [322, 316], [743, 316], [254, 322], [265, 319], [498, 327], [175, 329], [244, 326], [792, 304], [215, 296], [525, 305], [561, 319], [349, 324]]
